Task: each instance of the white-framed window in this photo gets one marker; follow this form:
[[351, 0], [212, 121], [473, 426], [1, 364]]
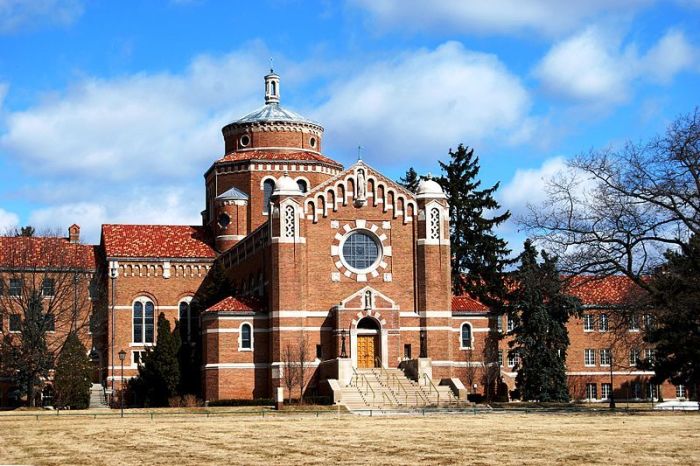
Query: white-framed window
[[605, 357], [500, 358], [513, 359], [245, 337], [648, 320], [650, 355], [603, 327], [634, 357], [510, 324], [15, 287], [137, 358], [588, 323], [589, 357], [605, 391], [636, 390], [633, 323], [48, 287], [143, 320], [189, 329], [15, 323], [499, 323], [680, 391], [465, 341], [591, 391]]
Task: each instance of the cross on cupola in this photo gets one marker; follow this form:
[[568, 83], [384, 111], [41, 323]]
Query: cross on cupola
[[272, 88]]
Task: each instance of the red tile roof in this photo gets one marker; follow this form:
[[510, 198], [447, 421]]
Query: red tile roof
[[156, 241], [603, 291], [45, 251], [239, 303], [272, 155], [467, 304]]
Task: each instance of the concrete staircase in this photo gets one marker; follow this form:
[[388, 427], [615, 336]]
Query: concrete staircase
[[390, 389], [97, 397]]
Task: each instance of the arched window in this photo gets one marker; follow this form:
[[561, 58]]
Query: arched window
[[289, 222], [245, 341], [143, 313], [268, 187], [466, 336], [302, 185], [188, 323], [274, 88]]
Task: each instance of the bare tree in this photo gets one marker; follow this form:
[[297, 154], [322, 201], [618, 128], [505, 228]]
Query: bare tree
[[471, 369], [616, 212], [302, 357], [44, 296], [290, 369]]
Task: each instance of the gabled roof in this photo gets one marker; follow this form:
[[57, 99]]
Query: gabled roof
[[45, 252], [602, 291], [339, 176], [236, 304], [467, 304], [233, 194], [176, 241], [278, 155]]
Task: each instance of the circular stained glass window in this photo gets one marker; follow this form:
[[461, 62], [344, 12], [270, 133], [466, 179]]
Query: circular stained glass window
[[361, 251]]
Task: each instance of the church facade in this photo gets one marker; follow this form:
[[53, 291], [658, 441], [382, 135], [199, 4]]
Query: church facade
[[342, 262]]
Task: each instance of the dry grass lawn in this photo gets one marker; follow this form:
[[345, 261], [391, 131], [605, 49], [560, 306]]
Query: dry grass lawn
[[505, 438]]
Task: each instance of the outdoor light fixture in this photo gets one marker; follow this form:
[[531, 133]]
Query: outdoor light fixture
[[122, 357]]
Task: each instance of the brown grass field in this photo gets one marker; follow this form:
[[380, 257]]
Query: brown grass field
[[493, 438]]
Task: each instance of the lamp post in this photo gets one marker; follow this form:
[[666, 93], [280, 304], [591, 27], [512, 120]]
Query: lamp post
[[612, 389], [122, 356], [343, 354], [113, 271]]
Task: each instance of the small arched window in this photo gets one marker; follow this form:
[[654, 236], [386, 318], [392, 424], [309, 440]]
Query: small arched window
[[466, 336], [188, 323], [143, 320], [246, 339], [301, 184], [268, 188], [274, 88]]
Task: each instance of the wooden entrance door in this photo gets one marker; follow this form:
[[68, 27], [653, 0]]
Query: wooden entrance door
[[365, 351]]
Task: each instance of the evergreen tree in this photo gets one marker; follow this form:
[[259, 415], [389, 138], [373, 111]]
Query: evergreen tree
[[676, 328], [410, 180], [72, 378], [478, 255], [160, 373], [540, 310]]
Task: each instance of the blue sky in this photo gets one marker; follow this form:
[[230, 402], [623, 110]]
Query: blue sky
[[110, 112]]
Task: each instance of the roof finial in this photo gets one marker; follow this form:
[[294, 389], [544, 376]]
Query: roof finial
[[272, 68], [359, 152]]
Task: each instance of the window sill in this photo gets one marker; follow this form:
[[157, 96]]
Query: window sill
[[589, 365], [132, 344], [245, 350]]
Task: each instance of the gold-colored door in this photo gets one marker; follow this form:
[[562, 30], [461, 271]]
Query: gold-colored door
[[365, 351]]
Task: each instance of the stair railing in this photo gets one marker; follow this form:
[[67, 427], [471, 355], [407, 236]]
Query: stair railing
[[430, 384], [387, 376]]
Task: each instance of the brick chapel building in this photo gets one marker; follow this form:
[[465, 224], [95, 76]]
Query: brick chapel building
[[343, 259]]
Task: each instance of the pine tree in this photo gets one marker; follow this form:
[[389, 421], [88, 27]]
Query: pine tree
[[540, 310], [410, 180], [160, 372], [72, 378], [675, 332], [478, 255]]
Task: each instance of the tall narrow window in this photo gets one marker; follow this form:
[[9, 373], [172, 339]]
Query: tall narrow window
[[588, 323], [605, 390], [634, 357], [185, 321], [268, 188], [633, 323], [143, 321], [246, 342], [605, 357], [603, 323], [591, 391], [47, 287], [466, 341], [589, 357], [434, 223]]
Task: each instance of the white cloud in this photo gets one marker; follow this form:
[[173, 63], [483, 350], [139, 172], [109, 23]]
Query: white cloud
[[18, 15], [7, 220], [540, 17], [528, 186], [417, 104], [596, 67]]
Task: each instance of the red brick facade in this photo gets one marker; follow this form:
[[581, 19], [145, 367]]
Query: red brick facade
[[311, 252]]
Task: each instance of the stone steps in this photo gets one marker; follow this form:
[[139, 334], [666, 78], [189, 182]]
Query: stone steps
[[97, 397]]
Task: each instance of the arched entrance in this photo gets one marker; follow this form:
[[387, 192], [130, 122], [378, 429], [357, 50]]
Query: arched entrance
[[368, 343]]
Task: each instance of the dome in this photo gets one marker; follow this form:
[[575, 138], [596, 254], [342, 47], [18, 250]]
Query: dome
[[286, 186], [430, 188], [273, 111]]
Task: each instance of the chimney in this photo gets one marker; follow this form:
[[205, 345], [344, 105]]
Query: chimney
[[74, 234]]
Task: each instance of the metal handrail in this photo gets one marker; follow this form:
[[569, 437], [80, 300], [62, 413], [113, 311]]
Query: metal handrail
[[425, 376], [405, 392], [382, 370]]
